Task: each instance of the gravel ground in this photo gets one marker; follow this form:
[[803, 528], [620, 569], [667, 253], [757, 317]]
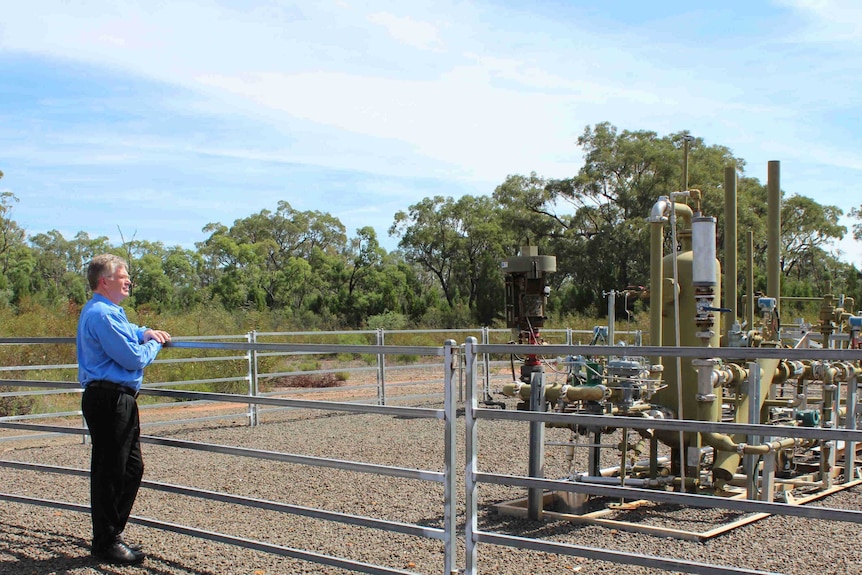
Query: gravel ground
[[40, 540]]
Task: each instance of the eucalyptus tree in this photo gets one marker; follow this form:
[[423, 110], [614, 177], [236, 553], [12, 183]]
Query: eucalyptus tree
[[808, 230], [486, 242], [183, 267], [153, 287], [857, 227], [429, 238], [11, 235], [270, 259], [461, 244], [595, 222], [357, 279], [55, 275]]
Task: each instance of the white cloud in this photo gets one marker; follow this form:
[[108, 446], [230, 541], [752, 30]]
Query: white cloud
[[829, 20], [406, 30], [455, 91]]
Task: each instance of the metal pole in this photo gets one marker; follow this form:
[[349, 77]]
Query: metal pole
[[381, 369], [832, 454], [730, 246], [612, 301], [773, 248], [655, 285], [471, 446], [452, 361], [537, 445], [460, 378], [685, 147], [850, 423], [252, 379], [486, 364], [750, 461], [749, 281]]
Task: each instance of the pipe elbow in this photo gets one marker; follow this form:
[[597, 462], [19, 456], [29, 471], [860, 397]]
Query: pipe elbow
[[720, 441], [683, 211], [658, 214]]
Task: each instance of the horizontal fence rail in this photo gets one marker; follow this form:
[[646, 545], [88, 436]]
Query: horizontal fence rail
[[446, 369], [468, 368], [473, 354], [223, 538]]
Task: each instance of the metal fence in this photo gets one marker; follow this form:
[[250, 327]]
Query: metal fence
[[446, 478], [465, 369], [384, 388], [473, 354]]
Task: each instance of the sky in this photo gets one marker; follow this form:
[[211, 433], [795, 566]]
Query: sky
[[150, 119]]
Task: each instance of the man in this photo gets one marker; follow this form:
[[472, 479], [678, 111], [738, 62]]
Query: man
[[112, 353]]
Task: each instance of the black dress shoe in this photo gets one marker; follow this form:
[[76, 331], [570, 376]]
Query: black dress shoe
[[118, 553], [133, 546]]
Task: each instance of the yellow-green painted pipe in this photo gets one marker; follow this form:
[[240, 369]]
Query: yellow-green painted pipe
[[730, 247], [658, 218], [749, 282], [586, 392], [773, 247], [656, 231], [554, 391], [727, 456]]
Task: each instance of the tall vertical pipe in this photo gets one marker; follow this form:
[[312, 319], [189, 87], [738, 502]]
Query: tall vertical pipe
[[657, 219], [749, 282], [731, 296], [773, 191], [686, 143], [535, 495], [656, 277]]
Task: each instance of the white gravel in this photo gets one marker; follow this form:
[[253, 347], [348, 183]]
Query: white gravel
[[39, 540]]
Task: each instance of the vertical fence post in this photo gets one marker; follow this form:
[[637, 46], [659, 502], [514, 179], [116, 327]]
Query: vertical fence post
[[461, 376], [750, 461], [381, 368], [451, 361], [850, 423], [828, 463], [535, 495], [84, 436], [252, 379], [470, 448], [486, 365]]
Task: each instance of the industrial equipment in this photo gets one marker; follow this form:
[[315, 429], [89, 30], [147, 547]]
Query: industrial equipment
[[686, 310]]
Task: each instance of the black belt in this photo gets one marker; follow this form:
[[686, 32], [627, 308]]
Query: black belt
[[102, 384]]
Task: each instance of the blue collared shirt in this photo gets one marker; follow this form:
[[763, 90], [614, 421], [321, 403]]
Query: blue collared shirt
[[110, 347]]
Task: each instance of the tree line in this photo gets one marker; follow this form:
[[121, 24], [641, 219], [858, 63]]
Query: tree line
[[446, 272]]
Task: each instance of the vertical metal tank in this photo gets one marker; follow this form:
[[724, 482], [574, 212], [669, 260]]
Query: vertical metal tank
[[685, 407]]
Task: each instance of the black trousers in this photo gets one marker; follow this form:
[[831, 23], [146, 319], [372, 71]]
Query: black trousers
[[116, 466]]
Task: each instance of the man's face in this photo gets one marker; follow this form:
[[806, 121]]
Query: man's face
[[116, 287]]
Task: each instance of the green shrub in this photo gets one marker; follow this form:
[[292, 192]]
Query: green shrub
[[389, 320], [355, 339], [308, 365]]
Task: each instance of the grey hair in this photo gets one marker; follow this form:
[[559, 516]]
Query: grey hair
[[103, 266]]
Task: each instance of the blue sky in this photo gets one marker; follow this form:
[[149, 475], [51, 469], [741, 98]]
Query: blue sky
[[157, 117]]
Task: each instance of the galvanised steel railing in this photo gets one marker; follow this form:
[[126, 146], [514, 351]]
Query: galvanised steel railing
[[471, 357], [446, 534], [386, 378], [474, 351]]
